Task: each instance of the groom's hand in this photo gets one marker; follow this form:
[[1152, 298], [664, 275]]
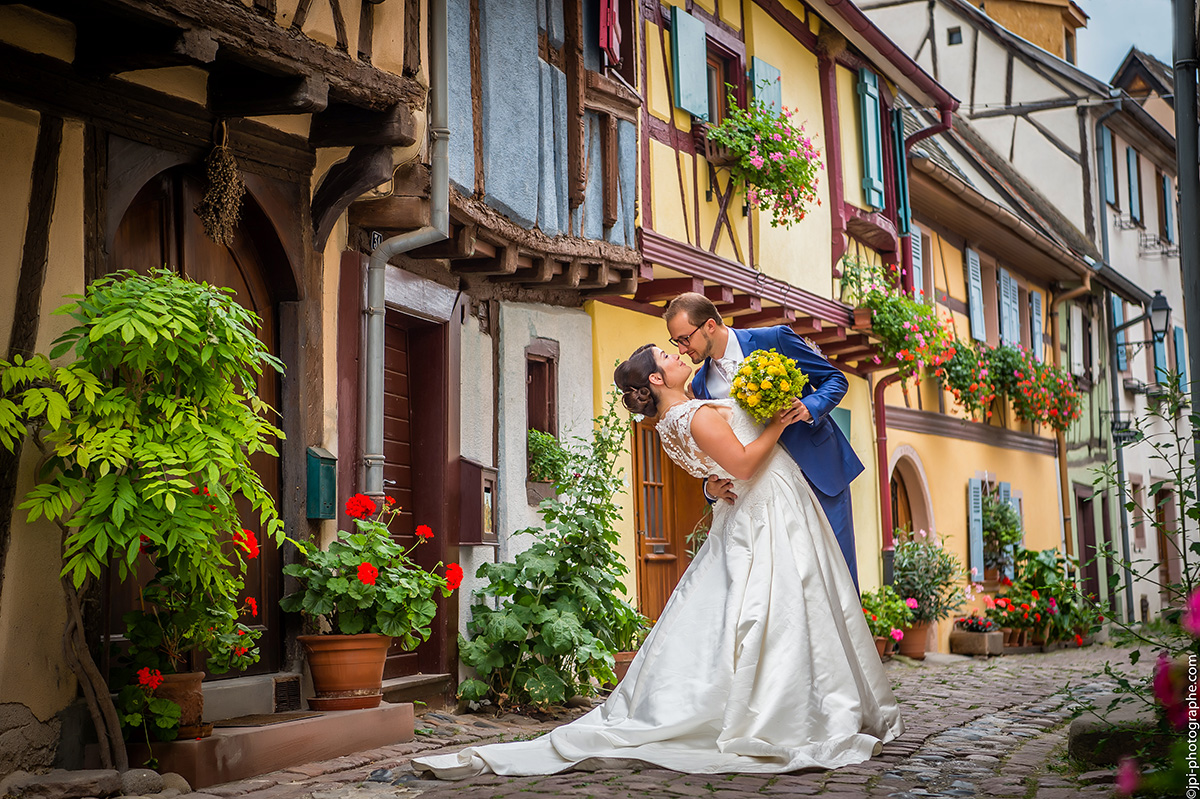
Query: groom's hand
[[801, 410], [716, 488]]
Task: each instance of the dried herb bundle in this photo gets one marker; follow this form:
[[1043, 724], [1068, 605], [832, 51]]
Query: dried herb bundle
[[221, 205]]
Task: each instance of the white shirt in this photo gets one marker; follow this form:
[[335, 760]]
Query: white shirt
[[718, 384]]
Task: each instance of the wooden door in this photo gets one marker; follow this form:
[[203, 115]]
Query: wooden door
[[160, 229], [1169, 570], [1086, 519], [669, 502], [413, 357], [901, 507]]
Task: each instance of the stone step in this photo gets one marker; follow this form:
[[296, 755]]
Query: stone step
[[435, 690]]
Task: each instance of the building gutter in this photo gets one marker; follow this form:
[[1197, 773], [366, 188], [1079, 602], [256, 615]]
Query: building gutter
[[437, 230]]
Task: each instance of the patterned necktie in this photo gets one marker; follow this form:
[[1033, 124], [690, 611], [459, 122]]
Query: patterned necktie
[[728, 368]]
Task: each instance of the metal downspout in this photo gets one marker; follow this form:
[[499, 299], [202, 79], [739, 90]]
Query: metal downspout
[[437, 230], [1187, 154]]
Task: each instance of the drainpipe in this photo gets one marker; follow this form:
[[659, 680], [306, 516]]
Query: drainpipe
[[438, 230], [1114, 385], [1187, 151], [1060, 436]]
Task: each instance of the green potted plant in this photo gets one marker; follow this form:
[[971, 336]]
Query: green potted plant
[[886, 614], [629, 631], [1002, 533], [775, 160], [151, 395], [360, 594], [547, 466], [927, 576]]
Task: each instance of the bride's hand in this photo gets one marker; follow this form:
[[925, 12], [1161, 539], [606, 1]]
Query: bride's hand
[[785, 416]]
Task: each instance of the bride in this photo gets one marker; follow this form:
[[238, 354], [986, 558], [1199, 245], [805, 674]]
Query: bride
[[761, 661]]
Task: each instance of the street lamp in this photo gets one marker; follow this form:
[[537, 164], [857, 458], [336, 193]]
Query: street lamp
[[1159, 314]]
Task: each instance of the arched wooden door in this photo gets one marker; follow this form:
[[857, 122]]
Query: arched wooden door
[[160, 229], [669, 503], [902, 516]]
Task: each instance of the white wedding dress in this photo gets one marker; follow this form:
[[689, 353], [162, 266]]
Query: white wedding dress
[[761, 661]]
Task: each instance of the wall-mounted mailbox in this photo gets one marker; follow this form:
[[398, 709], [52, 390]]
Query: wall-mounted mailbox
[[477, 515], [322, 483]]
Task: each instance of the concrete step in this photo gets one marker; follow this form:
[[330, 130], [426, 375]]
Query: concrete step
[[236, 753], [435, 690]]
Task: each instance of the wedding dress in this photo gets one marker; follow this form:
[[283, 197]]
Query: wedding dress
[[761, 661]]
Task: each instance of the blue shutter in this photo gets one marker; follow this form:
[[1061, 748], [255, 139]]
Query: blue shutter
[[872, 140], [975, 528], [1161, 372], [1110, 179], [841, 417], [918, 264], [903, 208], [764, 82], [1135, 184], [1168, 209], [1005, 316], [689, 60], [1037, 339], [1181, 359], [975, 296], [1118, 312], [1009, 551]]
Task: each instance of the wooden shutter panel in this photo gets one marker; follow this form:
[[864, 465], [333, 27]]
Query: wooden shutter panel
[[689, 60], [1076, 340], [1181, 359], [764, 82], [1118, 312], [1168, 205], [975, 297], [903, 208], [975, 528], [1135, 184], [1110, 179], [918, 263], [1036, 339], [1161, 369], [872, 140]]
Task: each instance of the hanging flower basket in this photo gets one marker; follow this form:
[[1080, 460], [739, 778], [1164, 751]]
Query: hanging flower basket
[[718, 155]]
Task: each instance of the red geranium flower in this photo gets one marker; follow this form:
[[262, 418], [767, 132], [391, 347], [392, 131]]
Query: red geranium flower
[[367, 573], [252, 603], [1078, 639], [360, 506], [247, 541], [424, 531], [149, 679], [238, 651], [454, 576], [1034, 594]]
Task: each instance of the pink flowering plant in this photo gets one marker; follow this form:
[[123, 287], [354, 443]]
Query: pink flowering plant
[[776, 160], [886, 613]]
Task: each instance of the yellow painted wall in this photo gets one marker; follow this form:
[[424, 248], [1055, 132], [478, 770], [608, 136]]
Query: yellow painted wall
[[36, 32], [850, 128], [18, 140], [672, 212], [801, 254], [1039, 23], [616, 333], [864, 490], [950, 462], [188, 83]]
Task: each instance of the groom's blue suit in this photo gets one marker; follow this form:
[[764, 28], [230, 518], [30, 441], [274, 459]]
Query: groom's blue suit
[[819, 449]]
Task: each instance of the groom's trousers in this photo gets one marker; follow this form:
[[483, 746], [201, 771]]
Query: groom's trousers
[[840, 513]]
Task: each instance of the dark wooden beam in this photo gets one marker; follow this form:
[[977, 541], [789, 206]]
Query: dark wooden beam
[[625, 282], [390, 213], [541, 271], [363, 169], [719, 294], [461, 244], [342, 125], [806, 325], [244, 93], [831, 333], [742, 305], [571, 275], [597, 276], [668, 288], [768, 317], [852, 342], [505, 262], [109, 47]]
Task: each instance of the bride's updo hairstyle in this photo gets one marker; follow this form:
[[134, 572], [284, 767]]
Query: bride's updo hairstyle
[[633, 378]]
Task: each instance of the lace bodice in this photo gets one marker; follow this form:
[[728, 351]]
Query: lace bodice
[[675, 430]]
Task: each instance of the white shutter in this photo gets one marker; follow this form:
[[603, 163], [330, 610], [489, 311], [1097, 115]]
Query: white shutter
[[918, 267], [1006, 329], [1077, 340], [1036, 339], [975, 529], [1014, 310], [975, 297]]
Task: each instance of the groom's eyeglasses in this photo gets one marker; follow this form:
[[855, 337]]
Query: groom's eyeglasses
[[682, 341]]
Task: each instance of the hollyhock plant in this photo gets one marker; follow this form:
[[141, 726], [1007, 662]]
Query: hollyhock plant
[[366, 582], [776, 160], [1190, 620]]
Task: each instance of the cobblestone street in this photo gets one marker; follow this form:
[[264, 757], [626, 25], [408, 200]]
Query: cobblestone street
[[993, 728]]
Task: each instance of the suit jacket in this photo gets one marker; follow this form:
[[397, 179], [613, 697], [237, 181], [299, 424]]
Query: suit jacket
[[819, 449]]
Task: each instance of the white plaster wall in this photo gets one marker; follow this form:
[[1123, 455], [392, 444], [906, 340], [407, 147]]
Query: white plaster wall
[[1030, 86], [1063, 123], [1050, 170]]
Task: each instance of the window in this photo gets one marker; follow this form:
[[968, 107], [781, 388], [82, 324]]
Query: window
[[1077, 340], [541, 385], [1109, 165], [1133, 166], [872, 137], [1138, 496], [975, 296], [1166, 208], [922, 271], [718, 93], [1181, 358], [954, 35], [689, 54], [1036, 328], [1118, 311], [1069, 46]]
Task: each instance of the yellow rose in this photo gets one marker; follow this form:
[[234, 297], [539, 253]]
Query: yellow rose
[[752, 400], [753, 386], [745, 370], [766, 385], [785, 385]]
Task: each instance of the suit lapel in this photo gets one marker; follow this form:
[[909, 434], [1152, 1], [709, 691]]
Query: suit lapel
[[700, 381], [745, 339]]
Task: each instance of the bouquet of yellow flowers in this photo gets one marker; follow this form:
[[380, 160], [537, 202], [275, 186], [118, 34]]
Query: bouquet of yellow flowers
[[767, 382]]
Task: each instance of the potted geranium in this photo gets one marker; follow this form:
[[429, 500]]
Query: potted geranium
[[976, 635], [1001, 534], [774, 159], [360, 594], [886, 614], [927, 576]]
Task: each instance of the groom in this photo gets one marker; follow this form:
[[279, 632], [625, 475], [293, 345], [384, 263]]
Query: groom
[[816, 444]]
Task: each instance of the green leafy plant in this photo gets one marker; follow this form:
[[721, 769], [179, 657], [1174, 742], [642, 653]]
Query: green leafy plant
[[547, 458], [157, 400], [976, 624], [558, 618], [886, 612], [776, 160], [1001, 530], [140, 709], [927, 573], [700, 530], [365, 582], [966, 374]]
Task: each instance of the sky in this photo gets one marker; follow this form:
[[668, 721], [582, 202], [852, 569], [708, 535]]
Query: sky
[[1114, 25]]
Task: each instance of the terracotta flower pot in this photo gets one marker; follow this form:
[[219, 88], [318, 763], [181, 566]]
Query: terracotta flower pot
[[347, 670], [621, 667], [184, 690], [912, 645], [1010, 636], [881, 644]]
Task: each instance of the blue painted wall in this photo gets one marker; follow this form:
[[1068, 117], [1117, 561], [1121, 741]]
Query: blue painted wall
[[462, 142]]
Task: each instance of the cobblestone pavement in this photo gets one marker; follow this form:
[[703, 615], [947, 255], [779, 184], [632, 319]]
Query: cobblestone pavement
[[995, 728]]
